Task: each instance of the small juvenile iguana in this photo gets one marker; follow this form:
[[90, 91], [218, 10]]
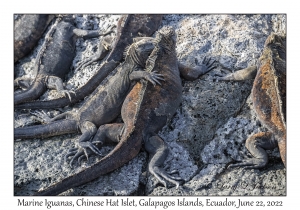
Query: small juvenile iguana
[[129, 27], [54, 59], [28, 29], [145, 111], [269, 101], [103, 48]]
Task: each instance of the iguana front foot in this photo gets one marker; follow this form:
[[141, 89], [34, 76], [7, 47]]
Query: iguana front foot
[[41, 116], [190, 73], [206, 65], [154, 77]]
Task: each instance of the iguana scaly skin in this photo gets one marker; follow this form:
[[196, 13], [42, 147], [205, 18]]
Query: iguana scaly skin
[[54, 59], [145, 111], [101, 108], [269, 101], [129, 27], [28, 29]]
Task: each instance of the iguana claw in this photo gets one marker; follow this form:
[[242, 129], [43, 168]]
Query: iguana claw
[[161, 174], [67, 93], [85, 63], [41, 116], [91, 146], [154, 78], [77, 155], [82, 151], [80, 159], [206, 64]]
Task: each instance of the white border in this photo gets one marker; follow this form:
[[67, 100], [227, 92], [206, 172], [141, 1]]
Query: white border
[[149, 6]]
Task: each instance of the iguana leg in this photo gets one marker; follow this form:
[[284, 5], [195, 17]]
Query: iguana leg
[[257, 144], [108, 132], [22, 82], [240, 75], [158, 151], [57, 84]]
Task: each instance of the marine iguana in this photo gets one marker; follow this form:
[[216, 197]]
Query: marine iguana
[[145, 111], [269, 101], [129, 27], [54, 59], [101, 108], [28, 29]]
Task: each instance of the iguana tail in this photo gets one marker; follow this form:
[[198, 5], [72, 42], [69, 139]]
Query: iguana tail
[[42, 131], [34, 92], [125, 151]]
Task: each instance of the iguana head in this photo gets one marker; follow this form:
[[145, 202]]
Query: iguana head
[[68, 18], [275, 48], [277, 42], [138, 52], [166, 38]]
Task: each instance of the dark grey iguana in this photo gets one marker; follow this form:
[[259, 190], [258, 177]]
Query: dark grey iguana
[[129, 27], [269, 101], [28, 29], [54, 59], [102, 107], [145, 111]]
